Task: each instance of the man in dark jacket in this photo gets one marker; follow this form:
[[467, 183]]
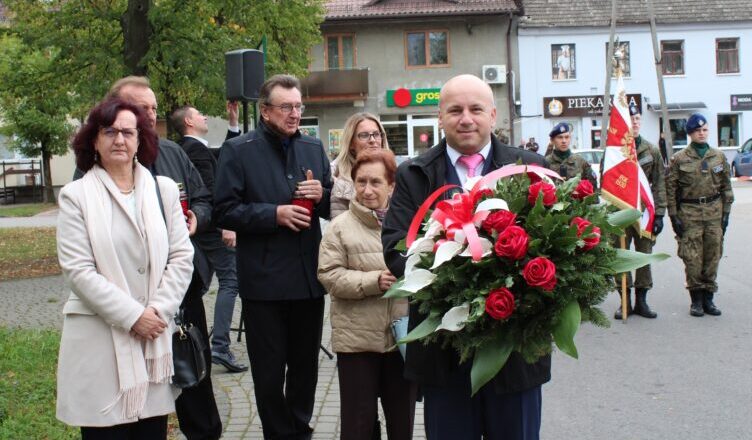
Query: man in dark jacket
[[509, 406], [218, 245], [264, 180], [196, 408]]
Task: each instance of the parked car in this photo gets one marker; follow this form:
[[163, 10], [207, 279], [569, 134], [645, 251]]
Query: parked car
[[594, 158], [742, 163]]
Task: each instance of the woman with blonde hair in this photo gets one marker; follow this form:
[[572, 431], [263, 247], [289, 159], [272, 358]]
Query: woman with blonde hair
[[363, 131]]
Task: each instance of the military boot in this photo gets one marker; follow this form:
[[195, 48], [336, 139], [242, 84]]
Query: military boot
[[641, 306], [617, 315], [697, 298], [707, 304]]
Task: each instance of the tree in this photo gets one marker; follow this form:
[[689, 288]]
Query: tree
[[37, 117], [179, 44]]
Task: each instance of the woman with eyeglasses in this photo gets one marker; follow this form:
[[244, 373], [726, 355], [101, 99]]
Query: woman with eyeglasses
[[363, 131], [123, 247]]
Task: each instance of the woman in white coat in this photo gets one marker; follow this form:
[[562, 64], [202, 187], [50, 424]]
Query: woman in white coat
[[128, 264]]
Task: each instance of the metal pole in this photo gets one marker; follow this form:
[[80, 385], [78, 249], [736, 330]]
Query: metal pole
[[659, 75], [245, 116], [609, 73]]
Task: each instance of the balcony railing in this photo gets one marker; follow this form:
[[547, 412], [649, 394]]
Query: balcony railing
[[335, 85]]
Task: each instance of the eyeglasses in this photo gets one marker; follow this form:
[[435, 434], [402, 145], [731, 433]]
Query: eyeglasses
[[364, 135], [287, 108], [129, 134]]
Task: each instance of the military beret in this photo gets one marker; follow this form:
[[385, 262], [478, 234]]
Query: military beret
[[560, 128], [634, 110], [695, 121]]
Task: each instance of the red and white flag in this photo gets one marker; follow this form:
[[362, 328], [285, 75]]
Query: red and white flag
[[623, 183]]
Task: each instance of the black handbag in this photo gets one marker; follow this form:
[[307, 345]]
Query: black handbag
[[188, 360], [188, 357]]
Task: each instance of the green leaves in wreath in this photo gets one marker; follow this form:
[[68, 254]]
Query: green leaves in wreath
[[489, 360], [627, 260], [423, 329], [569, 322]]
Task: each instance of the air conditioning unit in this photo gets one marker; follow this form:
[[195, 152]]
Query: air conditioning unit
[[495, 74]]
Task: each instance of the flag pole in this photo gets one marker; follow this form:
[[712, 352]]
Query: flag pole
[[661, 90], [623, 241], [609, 73]]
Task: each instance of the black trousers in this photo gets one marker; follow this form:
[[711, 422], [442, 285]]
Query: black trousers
[[363, 378], [153, 428], [283, 339], [196, 408]]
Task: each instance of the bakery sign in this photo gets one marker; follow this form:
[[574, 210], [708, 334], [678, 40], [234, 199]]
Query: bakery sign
[[589, 105]]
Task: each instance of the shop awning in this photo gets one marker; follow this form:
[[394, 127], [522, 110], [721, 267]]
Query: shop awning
[[677, 106]]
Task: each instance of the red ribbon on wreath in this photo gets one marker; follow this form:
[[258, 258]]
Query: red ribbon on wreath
[[457, 213]]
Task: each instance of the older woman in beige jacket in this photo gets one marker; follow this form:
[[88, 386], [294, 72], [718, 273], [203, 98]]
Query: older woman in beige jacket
[[352, 268], [128, 264], [362, 131]]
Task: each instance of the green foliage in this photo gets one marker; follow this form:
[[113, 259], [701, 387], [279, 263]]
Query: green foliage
[[28, 361], [87, 46], [541, 319]]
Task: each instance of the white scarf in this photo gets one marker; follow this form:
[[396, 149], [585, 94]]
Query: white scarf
[[136, 367]]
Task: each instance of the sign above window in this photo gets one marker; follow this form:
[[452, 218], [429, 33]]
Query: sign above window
[[590, 105], [412, 97], [741, 102]]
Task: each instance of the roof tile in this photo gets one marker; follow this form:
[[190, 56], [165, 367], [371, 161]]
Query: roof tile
[[359, 9]]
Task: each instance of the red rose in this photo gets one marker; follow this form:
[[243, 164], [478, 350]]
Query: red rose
[[500, 303], [595, 233], [584, 189], [498, 221], [512, 243], [540, 272], [483, 193], [549, 193]]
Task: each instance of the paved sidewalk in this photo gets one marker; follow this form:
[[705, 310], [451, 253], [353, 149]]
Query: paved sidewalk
[[38, 303], [48, 218]]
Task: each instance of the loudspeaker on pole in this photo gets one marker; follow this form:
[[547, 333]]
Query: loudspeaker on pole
[[244, 74]]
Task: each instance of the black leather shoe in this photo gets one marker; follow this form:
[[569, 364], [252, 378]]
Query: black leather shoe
[[641, 306], [228, 361], [708, 306]]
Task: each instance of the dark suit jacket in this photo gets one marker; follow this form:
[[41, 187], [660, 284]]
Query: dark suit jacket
[[203, 158], [255, 175], [416, 180]]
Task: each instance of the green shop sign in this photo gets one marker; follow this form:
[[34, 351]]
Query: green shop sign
[[408, 97]]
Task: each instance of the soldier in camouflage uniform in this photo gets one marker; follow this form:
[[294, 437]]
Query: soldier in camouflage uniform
[[562, 160], [649, 158], [699, 195]]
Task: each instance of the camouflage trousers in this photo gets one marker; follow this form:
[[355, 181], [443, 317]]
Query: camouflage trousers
[[700, 248]]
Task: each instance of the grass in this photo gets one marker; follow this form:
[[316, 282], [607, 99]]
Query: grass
[[27, 252], [26, 210], [28, 368], [28, 363]]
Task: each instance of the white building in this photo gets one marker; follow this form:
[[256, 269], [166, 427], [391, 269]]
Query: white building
[[706, 64]]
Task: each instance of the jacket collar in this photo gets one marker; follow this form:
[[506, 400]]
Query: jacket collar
[[364, 215], [272, 136], [432, 162]]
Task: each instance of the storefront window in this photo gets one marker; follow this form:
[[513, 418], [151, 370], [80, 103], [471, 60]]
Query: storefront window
[[678, 129], [396, 133], [728, 130]]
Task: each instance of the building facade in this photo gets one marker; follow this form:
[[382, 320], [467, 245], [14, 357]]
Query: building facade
[[391, 58], [562, 56]]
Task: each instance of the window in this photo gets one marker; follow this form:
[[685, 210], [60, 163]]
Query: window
[[623, 47], [563, 62], [678, 129], [672, 54], [340, 52], [396, 133], [427, 49], [728, 130], [727, 55]]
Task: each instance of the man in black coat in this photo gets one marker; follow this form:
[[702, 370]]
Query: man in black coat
[[218, 245], [259, 175], [508, 407]]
